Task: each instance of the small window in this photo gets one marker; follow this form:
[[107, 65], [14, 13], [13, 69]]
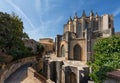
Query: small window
[[62, 51], [109, 25], [109, 20]]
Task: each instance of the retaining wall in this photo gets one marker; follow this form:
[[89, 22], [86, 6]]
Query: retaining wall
[[12, 67]]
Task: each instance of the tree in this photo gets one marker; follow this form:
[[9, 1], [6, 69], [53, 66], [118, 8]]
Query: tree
[[11, 35], [25, 36], [106, 57], [40, 49]]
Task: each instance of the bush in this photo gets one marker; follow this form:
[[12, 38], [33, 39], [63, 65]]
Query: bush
[[106, 57]]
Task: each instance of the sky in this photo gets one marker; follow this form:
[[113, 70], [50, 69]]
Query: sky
[[45, 18]]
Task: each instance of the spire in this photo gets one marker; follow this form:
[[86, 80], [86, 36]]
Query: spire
[[97, 14], [83, 14], [91, 13], [70, 19], [75, 15]]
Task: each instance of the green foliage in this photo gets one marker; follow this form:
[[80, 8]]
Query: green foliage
[[40, 49], [106, 58], [12, 35], [25, 36]]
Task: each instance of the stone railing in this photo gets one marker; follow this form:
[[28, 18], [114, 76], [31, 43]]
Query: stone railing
[[40, 77], [34, 77], [12, 67]]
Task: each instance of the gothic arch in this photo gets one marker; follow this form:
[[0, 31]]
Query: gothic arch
[[72, 78], [77, 52], [62, 50]]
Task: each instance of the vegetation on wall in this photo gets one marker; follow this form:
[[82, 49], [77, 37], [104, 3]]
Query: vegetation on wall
[[40, 49], [106, 58]]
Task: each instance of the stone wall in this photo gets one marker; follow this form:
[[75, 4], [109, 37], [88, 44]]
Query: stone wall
[[112, 81], [82, 44], [12, 67], [34, 77], [48, 45]]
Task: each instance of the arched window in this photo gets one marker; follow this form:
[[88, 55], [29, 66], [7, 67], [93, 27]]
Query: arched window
[[62, 51], [77, 52], [79, 30], [79, 27]]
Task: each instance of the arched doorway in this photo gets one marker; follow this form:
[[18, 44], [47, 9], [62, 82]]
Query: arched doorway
[[73, 78], [77, 52], [62, 51]]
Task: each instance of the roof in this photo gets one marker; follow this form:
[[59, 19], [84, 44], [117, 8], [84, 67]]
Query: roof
[[114, 74], [46, 39]]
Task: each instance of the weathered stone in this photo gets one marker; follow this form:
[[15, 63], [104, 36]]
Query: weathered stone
[[75, 48]]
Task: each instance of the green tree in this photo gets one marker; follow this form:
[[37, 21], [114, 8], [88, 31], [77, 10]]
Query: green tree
[[40, 49], [11, 35], [106, 58], [25, 36]]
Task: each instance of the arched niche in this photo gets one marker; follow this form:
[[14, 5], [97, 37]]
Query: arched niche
[[77, 52]]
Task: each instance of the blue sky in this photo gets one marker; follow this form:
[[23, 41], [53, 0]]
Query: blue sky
[[45, 18]]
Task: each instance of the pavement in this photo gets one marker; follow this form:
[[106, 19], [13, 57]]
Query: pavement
[[19, 75]]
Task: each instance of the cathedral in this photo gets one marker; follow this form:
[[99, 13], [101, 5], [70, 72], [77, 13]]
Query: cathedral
[[74, 48]]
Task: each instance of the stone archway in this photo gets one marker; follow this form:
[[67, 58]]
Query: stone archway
[[70, 75], [73, 78], [77, 52], [62, 51]]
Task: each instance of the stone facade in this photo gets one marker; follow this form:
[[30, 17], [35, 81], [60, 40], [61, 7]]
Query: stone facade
[[60, 70], [48, 44], [81, 33], [74, 48], [31, 44]]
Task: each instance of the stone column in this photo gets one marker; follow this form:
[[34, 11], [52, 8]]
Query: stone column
[[77, 75], [57, 72], [63, 76], [48, 70]]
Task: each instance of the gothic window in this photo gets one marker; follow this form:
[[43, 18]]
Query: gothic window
[[86, 25], [77, 52], [62, 51], [79, 27], [79, 30], [95, 25]]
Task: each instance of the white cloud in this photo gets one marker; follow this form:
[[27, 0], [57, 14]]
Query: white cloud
[[46, 26], [116, 12], [21, 12]]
